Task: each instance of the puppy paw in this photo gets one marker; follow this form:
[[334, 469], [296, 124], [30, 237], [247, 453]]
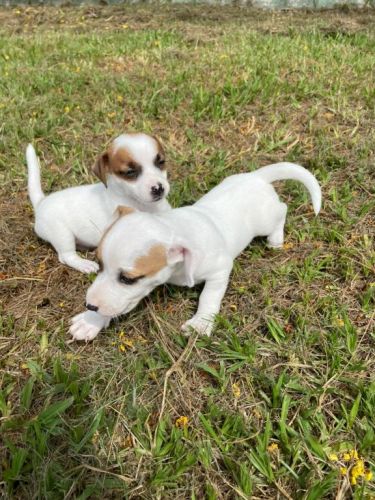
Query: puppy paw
[[86, 326], [201, 325], [76, 262], [86, 266]]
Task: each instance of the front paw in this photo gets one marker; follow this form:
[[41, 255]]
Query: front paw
[[200, 324], [86, 326]]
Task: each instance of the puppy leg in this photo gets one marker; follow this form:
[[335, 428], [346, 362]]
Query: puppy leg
[[209, 304], [63, 241], [276, 238], [87, 325]]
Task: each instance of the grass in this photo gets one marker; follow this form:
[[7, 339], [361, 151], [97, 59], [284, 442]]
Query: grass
[[286, 382]]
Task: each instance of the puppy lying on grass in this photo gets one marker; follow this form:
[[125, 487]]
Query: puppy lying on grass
[[132, 172], [187, 246]]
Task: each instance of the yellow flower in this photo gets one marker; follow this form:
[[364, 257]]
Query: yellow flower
[[66, 109], [354, 454], [124, 26], [128, 343], [273, 448], [62, 304], [343, 470], [182, 422], [236, 390], [120, 98], [357, 471], [368, 475], [121, 334], [359, 468], [95, 437], [288, 246], [333, 457], [24, 366], [122, 348], [346, 457], [340, 322]]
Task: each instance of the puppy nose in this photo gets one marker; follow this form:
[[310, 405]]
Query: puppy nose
[[158, 190], [90, 307]]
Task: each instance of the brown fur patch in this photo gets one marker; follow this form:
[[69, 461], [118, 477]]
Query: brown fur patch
[[150, 264], [118, 162], [161, 152], [100, 168], [122, 210]]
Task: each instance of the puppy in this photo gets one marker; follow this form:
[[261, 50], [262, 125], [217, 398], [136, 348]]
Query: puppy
[[187, 246], [132, 172]]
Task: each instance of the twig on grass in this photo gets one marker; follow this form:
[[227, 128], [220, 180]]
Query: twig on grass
[[174, 368]]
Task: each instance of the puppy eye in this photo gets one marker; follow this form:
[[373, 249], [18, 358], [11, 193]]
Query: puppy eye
[[126, 280], [131, 173], [159, 161]]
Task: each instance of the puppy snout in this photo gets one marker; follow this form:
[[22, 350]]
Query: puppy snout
[[157, 191], [91, 307]]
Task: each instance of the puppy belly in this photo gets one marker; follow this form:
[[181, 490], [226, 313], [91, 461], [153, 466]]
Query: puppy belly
[[62, 236]]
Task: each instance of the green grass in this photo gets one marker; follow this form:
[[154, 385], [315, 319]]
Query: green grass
[[287, 379]]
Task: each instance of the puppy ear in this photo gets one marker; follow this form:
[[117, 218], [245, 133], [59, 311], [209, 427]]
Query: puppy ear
[[190, 258], [122, 210], [100, 167]]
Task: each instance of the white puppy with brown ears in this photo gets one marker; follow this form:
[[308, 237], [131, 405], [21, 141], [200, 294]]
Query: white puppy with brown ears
[[132, 172], [187, 246]]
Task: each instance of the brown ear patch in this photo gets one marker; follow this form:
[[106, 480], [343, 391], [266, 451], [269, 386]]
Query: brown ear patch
[[119, 162], [159, 146], [101, 167], [150, 264], [160, 158]]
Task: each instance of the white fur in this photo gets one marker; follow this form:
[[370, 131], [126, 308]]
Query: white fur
[[201, 242], [79, 215]]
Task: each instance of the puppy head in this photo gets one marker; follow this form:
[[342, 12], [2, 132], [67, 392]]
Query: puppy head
[[134, 166], [130, 268]]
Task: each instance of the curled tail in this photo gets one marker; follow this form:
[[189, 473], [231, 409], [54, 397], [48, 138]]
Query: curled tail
[[284, 171], [33, 182]]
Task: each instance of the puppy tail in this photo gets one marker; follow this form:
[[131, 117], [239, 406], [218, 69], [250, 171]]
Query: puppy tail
[[33, 182], [284, 171]]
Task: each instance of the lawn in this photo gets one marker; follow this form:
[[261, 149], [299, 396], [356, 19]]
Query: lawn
[[280, 401]]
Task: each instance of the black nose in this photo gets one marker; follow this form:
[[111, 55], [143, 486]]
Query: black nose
[[158, 190], [90, 307]]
